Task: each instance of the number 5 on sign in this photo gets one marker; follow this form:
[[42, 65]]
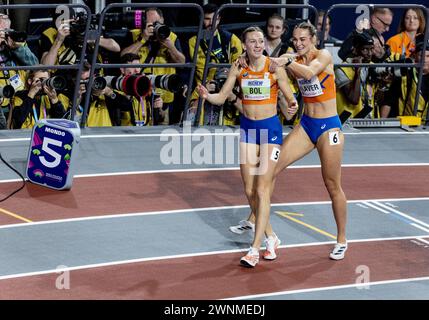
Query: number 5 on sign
[[334, 138], [47, 149]]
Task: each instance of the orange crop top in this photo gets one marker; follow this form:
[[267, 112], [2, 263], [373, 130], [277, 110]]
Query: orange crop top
[[319, 88], [258, 87]]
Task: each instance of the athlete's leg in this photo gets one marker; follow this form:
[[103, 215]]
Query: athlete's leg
[[248, 164], [330, 154], [264, 178], [296, 145]]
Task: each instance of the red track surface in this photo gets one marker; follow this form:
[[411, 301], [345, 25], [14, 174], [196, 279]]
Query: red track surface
[[170, 191], [219, 276]]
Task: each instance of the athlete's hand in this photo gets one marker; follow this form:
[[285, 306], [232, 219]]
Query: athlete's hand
[[275, 63], [292, 108], [202, 91], [281, 61], [242, 60]]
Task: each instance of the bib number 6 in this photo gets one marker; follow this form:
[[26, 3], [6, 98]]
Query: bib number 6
[[334, 138]]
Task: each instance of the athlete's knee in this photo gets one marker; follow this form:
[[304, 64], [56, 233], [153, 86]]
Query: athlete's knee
[[333, 185], [263, 190], [250, 192]]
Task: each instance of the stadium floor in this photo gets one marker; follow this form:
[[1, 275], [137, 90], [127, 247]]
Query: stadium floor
[[134, 226]]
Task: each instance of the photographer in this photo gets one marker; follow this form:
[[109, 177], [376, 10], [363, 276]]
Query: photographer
[[226, 49], [156, 44], [379, 23], [62, 46], [355, 93], [141, 114], [226, 45], [39, 101], [13, 51]]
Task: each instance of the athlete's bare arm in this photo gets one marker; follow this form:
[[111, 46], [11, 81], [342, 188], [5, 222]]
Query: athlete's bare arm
[[283, 83], [317, 66], [220, 98]]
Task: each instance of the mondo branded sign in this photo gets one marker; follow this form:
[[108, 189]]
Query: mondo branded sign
[[53, 147]]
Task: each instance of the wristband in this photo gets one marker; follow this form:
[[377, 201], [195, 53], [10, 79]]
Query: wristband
[[289, 61]]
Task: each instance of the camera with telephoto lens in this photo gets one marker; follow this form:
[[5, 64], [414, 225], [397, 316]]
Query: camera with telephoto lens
[[16, 36], [160, 31], [78, 25], [219, 78], [381, 72], [132, 85], [7, 91], [169, 82], [139, 85], [57, 83]]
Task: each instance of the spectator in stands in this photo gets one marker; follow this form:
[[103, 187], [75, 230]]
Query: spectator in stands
[[157, 47], [403, 90], [380, 21], [38, 101], [412, 23], [63, 46], [226, 49], [276, 28], [327, 38], [11, 54], [355, 92]]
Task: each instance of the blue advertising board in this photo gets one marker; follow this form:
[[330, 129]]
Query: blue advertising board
[[53, 148]]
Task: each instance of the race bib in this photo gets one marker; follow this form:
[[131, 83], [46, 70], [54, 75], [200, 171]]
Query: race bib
[[256, 89], [334, 138], [310, 88], [275, 154]]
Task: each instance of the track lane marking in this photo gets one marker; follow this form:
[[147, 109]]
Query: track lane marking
[[16, 216], [122, 262], [178, 211]]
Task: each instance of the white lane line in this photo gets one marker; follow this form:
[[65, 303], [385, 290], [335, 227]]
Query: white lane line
[[200, 133], [347, 286], [361, 205], [401, 214], [121, 262], [419, 227], [356, 165], [423, 240], [191, 210], [375, 207]]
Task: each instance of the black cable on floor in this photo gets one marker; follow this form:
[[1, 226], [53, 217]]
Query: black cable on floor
[[18, 173]]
